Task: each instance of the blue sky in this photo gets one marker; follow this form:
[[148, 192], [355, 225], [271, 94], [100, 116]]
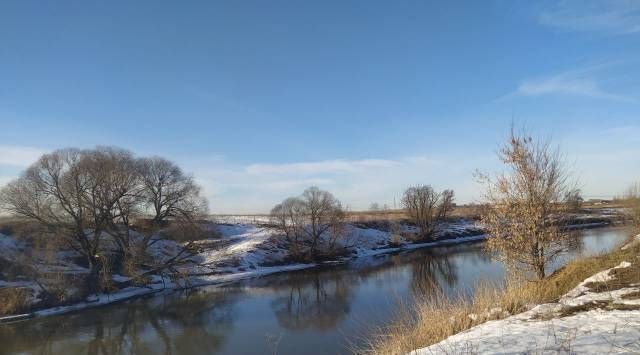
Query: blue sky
[[260, 99]]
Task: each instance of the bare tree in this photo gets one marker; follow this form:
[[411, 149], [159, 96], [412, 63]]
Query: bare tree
[[170, 195], [93, 199], [169, 192], [446, 204], [374, 207], [63, 195], [425, 207], [524, 205], [306, 219], [290, 219]]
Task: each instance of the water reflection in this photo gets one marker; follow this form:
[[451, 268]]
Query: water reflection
[[313, 310], [159, 325], [429, 276], [315, 302]]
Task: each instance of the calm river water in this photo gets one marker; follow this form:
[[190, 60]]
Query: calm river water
[[320, 311]]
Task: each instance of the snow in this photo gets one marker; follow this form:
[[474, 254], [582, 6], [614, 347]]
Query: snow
[[541, 330], [602, 276], [241, 219], [592, 332], [633, 242], [11, 248]]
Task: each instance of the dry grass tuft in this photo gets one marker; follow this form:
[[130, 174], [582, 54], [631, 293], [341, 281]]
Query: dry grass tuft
[[14, 300], [435, 318]]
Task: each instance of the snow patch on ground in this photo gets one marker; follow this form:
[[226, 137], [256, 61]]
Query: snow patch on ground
[[602, 276], [635, 241], [592, 332], [10, 247], [541, 330]]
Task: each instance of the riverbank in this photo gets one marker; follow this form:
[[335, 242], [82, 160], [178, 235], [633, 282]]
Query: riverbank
[[246, 251], [590, 305], [326, 309]]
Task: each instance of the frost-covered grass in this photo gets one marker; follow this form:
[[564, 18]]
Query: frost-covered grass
[[595, 288]]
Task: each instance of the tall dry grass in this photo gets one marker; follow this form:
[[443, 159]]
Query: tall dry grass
[[14, 301], [434, 318]]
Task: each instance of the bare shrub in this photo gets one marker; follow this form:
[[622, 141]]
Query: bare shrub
[[574, 200], [425, 207], [631, 202], [396, 237], [306, 220], [524, 205], [14, 300]]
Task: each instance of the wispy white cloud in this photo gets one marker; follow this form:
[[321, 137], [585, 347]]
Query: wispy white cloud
[[581, 82], [611, 17], [18, 156], [357, 183], [320, 167]]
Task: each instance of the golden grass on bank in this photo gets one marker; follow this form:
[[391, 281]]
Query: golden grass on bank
[[434, 318], [14, 301]]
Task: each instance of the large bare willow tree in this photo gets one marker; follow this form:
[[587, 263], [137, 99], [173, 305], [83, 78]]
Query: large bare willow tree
[[524, 214], [93, 199]]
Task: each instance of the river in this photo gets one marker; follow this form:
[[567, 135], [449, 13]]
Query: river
[[327, 310]]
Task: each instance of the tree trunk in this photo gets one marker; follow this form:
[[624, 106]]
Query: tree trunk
[[92, 281], [540, 271]]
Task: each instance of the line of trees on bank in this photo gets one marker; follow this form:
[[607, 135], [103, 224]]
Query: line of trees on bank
[[313, 224]]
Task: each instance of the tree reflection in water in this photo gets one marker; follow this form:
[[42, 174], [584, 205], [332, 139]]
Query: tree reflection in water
[[429, 274], [315, 301], [436, 271], [193, 323]]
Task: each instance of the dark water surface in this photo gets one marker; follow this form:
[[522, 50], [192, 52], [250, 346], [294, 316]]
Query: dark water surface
[[320, 311]]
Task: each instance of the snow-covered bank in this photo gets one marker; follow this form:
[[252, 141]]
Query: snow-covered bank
[[592, 332], [584, 320], [243, 251]]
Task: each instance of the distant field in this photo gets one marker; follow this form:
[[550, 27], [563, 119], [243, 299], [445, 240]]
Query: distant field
[[467, 211], [462, 211]]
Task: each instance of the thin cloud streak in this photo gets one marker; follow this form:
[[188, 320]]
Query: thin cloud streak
[[581, 82], [610, 17], [320, 167], [256, 188]]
